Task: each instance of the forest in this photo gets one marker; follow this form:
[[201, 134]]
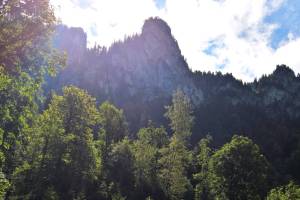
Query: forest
[[63, 140]]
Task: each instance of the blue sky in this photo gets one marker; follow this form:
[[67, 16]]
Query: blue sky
[[247, 38], [288, 18], [160, 3]]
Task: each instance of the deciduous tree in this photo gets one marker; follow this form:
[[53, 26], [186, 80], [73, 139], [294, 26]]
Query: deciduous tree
[[239, 171]]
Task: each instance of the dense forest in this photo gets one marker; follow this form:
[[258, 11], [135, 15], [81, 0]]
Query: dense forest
[[133, 122]]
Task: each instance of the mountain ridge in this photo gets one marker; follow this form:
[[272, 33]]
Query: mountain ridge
[[140, 74]]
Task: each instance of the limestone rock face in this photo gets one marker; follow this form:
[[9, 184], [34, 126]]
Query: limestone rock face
[[150, 64], [141, 73], [71, 40]]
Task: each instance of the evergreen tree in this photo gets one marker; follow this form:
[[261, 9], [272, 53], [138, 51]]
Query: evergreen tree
[[74, 150], [180, 116], [205, 152], [114, 129], [174, 161], [113, 122], [176, 158], [146, 156], [121, 168]]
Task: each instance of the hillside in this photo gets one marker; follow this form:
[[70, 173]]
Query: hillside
[[140, 74]]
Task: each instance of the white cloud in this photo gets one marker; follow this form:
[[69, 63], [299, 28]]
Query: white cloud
[[243, 39], [110, 19]]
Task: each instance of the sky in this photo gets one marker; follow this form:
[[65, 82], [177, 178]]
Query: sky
[[247, 38]]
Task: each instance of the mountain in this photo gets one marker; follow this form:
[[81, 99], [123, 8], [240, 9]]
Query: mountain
[[140, 74], [150, 64]]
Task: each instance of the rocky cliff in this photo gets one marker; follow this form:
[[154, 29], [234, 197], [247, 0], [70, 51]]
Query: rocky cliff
[[140, 74], [150, 64]]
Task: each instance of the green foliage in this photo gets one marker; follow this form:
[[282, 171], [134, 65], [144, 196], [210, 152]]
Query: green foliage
[[114, 123], [146, 156], [25, 57], [114, 130], [156, 137], [205, 152], [287, 192], [175, 158], [239, 171], [180, 115], [62, 152], [146, 167], [74, 150], [18, 108], [122, 158], [4, 185], [24, 37]]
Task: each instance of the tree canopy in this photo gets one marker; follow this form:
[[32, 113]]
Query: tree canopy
[[71, 145]]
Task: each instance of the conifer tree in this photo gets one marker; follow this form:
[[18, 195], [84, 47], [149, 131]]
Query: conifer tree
[[180, 116]]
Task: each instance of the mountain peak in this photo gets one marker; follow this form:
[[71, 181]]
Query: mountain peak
[[283, 70], [159, 43], [155, 25]]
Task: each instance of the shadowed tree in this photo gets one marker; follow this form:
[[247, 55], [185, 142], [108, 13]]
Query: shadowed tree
[[114, 123], [146, 155], [205, 152], [239, 171], [121, 168]]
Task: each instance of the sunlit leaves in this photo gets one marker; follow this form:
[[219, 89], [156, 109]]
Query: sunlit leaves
[[287, 192], [175, 159], [180, 115], [62, 147]]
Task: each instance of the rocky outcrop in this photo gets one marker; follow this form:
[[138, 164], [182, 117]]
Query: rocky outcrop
[[150, 64], [72, 40], [140, 74]]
